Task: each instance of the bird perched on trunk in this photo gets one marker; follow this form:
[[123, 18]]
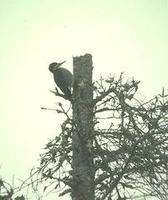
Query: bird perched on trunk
[[62, 77]]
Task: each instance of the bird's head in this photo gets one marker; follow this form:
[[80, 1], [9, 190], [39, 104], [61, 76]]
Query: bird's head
[[54, 66]]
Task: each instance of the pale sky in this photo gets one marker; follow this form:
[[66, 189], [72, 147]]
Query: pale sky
[[128, 36]]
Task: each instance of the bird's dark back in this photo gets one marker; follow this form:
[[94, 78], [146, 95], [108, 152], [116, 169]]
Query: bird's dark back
[[63, 79]]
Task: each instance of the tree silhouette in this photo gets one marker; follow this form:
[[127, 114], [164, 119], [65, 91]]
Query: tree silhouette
[[112, 146]]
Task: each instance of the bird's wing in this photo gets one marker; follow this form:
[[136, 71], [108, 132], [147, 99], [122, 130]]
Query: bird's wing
[[67, 75]]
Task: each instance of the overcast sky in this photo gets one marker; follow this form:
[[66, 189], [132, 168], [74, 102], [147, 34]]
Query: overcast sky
[[128, 36]]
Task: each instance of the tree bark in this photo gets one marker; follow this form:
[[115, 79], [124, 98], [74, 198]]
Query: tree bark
[[83, 167]]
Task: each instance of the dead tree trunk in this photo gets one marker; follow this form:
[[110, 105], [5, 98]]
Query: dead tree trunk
[[83, 169]]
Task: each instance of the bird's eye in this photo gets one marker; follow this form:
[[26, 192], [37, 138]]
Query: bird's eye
[[53, 64]]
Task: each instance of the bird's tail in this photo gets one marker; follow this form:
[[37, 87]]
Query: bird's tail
[[68, 94]]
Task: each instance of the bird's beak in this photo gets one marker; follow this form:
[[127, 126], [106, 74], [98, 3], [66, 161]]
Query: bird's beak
[[62, 62], [59, 64]]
